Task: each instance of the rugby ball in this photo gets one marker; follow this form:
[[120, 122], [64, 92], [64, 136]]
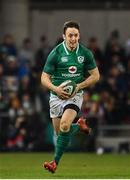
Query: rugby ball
[[69, 86]]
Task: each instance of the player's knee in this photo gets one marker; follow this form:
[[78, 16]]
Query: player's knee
[[64, 127]]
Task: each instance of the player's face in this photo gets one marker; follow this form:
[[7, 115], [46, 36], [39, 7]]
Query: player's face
[[71, 37]]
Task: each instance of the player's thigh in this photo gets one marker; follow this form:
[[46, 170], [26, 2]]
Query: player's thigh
[[67, 118], [56, 124], [71, 108]]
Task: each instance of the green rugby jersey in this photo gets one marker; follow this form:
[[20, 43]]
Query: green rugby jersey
[[63, 64]]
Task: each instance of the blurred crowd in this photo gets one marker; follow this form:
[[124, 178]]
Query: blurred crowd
[[25, 124]]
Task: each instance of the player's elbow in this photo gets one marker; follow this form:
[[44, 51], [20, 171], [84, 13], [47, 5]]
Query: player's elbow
[[97, 76], [42, 79]]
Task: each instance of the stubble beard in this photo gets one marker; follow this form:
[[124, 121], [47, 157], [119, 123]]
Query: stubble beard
[[73, 47]]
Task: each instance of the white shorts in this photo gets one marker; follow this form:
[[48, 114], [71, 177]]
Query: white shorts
[[57, 105]]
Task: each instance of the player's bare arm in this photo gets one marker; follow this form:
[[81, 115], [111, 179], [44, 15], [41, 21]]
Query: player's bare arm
[[46, 81], [92, 79]]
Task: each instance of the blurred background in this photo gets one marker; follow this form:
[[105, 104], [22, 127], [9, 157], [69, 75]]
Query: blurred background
[[29, 29]]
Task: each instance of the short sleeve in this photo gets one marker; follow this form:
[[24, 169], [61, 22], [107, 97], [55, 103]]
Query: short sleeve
[[90, 61], [49, 66]]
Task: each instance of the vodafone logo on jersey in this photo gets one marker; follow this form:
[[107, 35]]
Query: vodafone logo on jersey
[[72, 69]]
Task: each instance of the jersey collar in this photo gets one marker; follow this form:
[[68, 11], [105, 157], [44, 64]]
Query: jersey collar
[[67, 52]]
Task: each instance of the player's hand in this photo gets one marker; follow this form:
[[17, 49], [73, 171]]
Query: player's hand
[[61, 93]]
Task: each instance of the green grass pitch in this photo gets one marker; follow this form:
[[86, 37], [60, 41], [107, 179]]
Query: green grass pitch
[[73, 165]]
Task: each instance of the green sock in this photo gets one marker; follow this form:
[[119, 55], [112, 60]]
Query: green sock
[[74, 128], [62, 143]]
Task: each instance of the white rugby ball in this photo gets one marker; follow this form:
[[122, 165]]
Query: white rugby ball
[[69, 86]]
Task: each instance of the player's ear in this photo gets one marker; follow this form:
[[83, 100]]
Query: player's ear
[[79, 36], [63, 36]]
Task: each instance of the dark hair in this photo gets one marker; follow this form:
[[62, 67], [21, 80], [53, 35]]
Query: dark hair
[[70, 24]]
